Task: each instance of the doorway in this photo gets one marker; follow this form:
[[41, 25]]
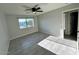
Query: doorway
[[71, 24]]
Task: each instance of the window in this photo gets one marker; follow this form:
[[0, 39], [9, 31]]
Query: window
[[26, 22]]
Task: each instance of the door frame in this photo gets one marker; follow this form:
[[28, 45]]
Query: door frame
[[63, 19]]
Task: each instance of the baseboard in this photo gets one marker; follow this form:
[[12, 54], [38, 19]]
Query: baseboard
[[21, 35]]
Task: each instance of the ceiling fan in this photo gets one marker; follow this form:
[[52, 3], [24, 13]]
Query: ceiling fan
[[34, 9]]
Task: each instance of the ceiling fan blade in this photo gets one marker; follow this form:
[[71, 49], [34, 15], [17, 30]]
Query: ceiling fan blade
[[40, 11], [36, 5], [25, 6], [38, 8], [28, 9]]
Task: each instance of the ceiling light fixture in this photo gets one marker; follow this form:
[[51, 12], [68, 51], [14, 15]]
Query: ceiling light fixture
[[34, 12]]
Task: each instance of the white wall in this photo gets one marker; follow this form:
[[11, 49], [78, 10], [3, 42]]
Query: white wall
[[52, 22], [67, 23], [15, 31], [4, 38]]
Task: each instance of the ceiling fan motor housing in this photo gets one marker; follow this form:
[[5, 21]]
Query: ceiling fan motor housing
[[33, 9]]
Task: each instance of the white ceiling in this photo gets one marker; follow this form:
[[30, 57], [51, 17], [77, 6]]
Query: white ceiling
[[18, 9]]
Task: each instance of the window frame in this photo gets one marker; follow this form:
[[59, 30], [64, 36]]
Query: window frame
[[26, 21]]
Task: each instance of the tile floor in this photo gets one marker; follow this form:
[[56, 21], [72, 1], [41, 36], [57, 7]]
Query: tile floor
[[27, 45]]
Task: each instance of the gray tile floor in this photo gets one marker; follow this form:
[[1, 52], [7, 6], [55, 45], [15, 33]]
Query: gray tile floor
[[27, 45]]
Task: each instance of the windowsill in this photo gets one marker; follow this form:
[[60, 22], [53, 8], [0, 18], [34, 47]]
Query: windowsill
[[26, 28]]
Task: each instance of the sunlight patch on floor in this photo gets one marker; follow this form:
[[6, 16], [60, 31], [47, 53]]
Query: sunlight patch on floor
[[56, 45]]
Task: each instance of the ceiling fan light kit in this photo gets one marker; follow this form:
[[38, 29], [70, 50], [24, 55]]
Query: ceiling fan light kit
[[34, 12]]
